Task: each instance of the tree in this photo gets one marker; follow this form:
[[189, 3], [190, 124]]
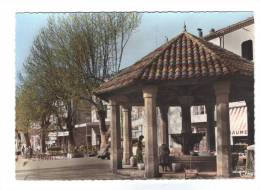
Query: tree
[[74, 54], [33, 108], [95, 48], [45, 68], [22, 119]]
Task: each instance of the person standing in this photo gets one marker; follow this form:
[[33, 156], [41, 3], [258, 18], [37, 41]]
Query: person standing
[[164, 157], [30, 152], [23, 150], [139, 150]]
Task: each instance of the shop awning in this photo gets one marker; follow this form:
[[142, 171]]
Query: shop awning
[[238, 121]]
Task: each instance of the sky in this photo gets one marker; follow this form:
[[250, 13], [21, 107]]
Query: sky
[[153, 31]]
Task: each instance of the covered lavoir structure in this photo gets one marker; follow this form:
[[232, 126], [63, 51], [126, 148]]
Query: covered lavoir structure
[[186, 71]]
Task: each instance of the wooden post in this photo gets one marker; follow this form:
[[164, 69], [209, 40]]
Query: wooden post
[[250, 120], [223, 129], [150, 125], [127, 134], [116, 160], [186, 102], [210, 127], [164, 138]]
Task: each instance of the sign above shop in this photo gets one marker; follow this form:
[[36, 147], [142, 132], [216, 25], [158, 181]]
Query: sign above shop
[[52, 138], [63, 133], [239, 133], [52, 134], [59, 134], [50, 142]]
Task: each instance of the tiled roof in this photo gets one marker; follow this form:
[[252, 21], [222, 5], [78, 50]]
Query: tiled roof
[[230, 28], [183, 57]]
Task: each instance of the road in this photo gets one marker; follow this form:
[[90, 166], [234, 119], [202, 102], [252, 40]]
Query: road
[[72, 169]]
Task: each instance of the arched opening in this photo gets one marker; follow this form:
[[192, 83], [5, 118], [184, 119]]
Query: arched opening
[[247, 49]]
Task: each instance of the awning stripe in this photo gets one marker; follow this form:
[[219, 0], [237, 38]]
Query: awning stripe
[[238, 121], [245, 118]]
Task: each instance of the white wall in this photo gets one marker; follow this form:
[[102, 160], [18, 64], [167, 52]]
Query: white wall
[[215, 41], [174, 120], [233, 40]]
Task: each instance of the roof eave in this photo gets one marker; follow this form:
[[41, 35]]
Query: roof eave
[[230, 28]]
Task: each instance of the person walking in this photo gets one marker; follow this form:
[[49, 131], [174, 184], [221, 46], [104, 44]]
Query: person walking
[[23, 150]]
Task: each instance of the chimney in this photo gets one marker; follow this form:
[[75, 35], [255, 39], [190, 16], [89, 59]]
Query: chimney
[[200, 32], [212, 30]]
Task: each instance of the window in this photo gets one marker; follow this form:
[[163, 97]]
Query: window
[[202, 110], [247, 49], [137, 131], [198, 110]]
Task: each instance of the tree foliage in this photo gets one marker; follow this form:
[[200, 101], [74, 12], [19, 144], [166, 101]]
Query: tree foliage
[[33, 108], [70, 57]]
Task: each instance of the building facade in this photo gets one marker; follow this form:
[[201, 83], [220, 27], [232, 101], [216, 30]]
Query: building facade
[[237, 38]]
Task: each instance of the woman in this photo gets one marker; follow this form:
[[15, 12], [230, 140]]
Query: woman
[[139, 150]]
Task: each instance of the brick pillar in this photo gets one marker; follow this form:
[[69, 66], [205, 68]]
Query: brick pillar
[[186, 102], [116, 160], [164, 138], [250, 121], [127, 134], [224, 164], [210, 127], [150, 132]]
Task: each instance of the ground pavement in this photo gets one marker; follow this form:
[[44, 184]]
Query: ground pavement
[[69, 169], [86, 169]]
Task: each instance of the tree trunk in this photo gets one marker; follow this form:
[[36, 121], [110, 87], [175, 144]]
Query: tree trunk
[[43, 144], [104, 132], [27, 139], [70, 121], [65, 144], [71, 144], [44, 125]]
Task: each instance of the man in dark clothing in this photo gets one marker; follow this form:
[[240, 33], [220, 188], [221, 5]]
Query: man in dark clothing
[[164, 157], [139, 150]]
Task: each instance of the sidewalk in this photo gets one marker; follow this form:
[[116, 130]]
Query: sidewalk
[[26, 164]]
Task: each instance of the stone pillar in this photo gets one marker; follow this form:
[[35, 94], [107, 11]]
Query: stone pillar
[[150, 132], [164, 138], [250, 121], [186, 102], [127, 134], [115, 156], [224, 164], [210, 127]]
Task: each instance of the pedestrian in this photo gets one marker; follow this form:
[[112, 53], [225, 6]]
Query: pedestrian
[[139, 150], [26, 151], [23, 150], [164, 157], [30, 151]]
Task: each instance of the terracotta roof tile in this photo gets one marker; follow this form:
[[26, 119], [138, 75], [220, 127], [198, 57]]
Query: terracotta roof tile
[[183, 57]]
